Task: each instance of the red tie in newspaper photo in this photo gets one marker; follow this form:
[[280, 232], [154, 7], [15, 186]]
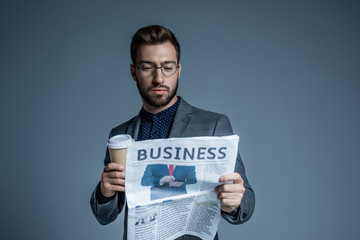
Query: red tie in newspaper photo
[[171, 170]]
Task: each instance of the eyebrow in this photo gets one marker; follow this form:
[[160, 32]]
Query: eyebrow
[[165, 62]]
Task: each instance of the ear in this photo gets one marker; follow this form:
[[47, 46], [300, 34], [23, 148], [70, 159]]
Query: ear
[[179, 69], [133, 72]]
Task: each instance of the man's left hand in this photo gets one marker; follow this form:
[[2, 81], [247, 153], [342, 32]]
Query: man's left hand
[[230, 194], [175, 184]]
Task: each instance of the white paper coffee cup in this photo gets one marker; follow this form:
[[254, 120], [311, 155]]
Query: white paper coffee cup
[[117, 147]]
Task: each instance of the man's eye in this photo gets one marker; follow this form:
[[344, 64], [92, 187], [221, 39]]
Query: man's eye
[[168, 68], [146, 67]]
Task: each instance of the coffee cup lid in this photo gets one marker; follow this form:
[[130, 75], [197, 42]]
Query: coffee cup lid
[[120, 141]]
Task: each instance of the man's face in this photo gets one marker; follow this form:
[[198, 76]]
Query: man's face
[[157, 91]]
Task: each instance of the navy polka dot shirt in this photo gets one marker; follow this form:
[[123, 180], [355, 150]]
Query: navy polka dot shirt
[[157, 126]]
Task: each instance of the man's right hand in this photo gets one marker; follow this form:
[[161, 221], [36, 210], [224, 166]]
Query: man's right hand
[[112, 179], [166, 179]]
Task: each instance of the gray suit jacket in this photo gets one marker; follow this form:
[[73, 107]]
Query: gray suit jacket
[[188, 122]]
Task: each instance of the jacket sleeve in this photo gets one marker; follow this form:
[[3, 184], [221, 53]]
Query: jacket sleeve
[[107, 212], [246, 209], [148, 178]]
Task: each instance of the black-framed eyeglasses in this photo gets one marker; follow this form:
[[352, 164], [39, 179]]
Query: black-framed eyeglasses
[[148, 69]]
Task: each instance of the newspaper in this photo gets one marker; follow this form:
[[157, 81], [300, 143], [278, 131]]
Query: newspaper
[[170, 186]]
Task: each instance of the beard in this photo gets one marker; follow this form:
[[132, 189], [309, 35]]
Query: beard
[[157, 100]]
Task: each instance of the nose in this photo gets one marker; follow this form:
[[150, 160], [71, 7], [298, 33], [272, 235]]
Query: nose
[[158, 76]]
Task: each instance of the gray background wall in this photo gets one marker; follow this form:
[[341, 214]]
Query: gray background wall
[[285, 72]]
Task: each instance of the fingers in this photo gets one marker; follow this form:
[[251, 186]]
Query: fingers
[[230, 194], [230, 201], [167, 179], [114, 167], [113, 179], [230, 188], [233, 176], [113, 174], [228, 209], [227, 195], [175, 184], [109, 188]]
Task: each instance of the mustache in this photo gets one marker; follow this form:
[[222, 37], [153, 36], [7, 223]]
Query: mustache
[[159, 86]]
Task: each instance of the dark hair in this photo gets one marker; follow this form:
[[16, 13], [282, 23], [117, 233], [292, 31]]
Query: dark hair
[[153, 34]]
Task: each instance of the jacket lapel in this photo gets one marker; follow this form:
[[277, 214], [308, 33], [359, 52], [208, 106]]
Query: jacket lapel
[[133, 128], [181, 120]]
